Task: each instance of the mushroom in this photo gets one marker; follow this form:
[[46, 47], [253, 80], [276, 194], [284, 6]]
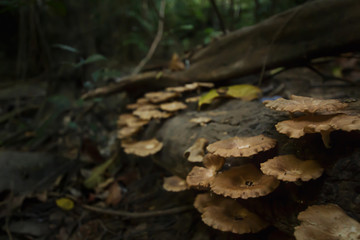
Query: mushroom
[[244, 181], [195, 85], [305, 104], [328, 222], [179, 89], [323, 124], [130, 120], [290, 168], [228, 215], [142, 148], [192, 99], [241, 147], [150, 114], [213, 162], [126, 132], [157, 97], [173, 106], [200, 177], [174, 184], [195, 153], [201, 120]]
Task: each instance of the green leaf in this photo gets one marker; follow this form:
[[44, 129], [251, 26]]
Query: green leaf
[[208, 97], [91, 59], [97, 173], [243, 91], [337, 72], [187, 27], [276, 70], [66, 47]]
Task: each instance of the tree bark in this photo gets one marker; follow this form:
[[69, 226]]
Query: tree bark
[[315, 29]]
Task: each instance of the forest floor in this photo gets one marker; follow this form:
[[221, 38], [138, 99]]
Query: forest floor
[[58, 174]]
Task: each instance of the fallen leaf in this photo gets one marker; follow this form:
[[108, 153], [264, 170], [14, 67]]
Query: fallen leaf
[[243, 91], [208, 97], [65, 203], [115, 195], [96, 176]]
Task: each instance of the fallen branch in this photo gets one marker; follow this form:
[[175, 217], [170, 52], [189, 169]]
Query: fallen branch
[[138, 214], [331, 28]]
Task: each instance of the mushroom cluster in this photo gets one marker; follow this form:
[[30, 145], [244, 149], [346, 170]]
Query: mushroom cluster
[[153, 105], [321, 116]]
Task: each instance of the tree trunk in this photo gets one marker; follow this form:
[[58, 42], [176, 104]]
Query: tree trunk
[[317, 28]]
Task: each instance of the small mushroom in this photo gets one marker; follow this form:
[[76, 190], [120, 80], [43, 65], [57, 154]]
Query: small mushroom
[[142, 148], [174, 184], [157, 97], [305, 104], [323, 124], [192, 99], [196, 85], [228, 215], [201, 120], [290, 168], [213, 162], [173, 106], [241, 147], [179, 89], [195, 153], [150, 114], [131, 121], [326, 222], [204, 200], [244, 181], [200, 177], [127, 132]]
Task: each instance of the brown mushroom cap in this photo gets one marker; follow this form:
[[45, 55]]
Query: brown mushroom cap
[[200, 177], [305, 104], [241, 147], [290, 168], [173, 106], [204, 200], [201, 120], [150, 114], [244, 181], [324, 124], [195, 153], [174, 184], [130, 120], [326, 222], [230, 216], [179, 89], [157, 97], [192, 99], [213, 162], [126, 132], [142, 148]]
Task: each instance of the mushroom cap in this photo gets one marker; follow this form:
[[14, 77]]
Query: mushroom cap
[[195, 85], [204, 200], [195, 153], [326, 222], [174, 184], [201, 120], [214, 162], [298, 127], [230, 216], [157, 97], [126, 132], [305, 104], [200, 177], [244, 181], [142, 148], [179, 89], [241, 147], [150, 114], [290, 168], [130, 120], [192, 99], [173, 106]]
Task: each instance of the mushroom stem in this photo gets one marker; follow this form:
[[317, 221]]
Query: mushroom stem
[[325, 136]]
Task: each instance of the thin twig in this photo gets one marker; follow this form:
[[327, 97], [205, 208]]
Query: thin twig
[[138, 214], [156, 41]]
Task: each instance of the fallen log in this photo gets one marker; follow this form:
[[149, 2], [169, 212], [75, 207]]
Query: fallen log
[[315, 29], [339, 183]]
